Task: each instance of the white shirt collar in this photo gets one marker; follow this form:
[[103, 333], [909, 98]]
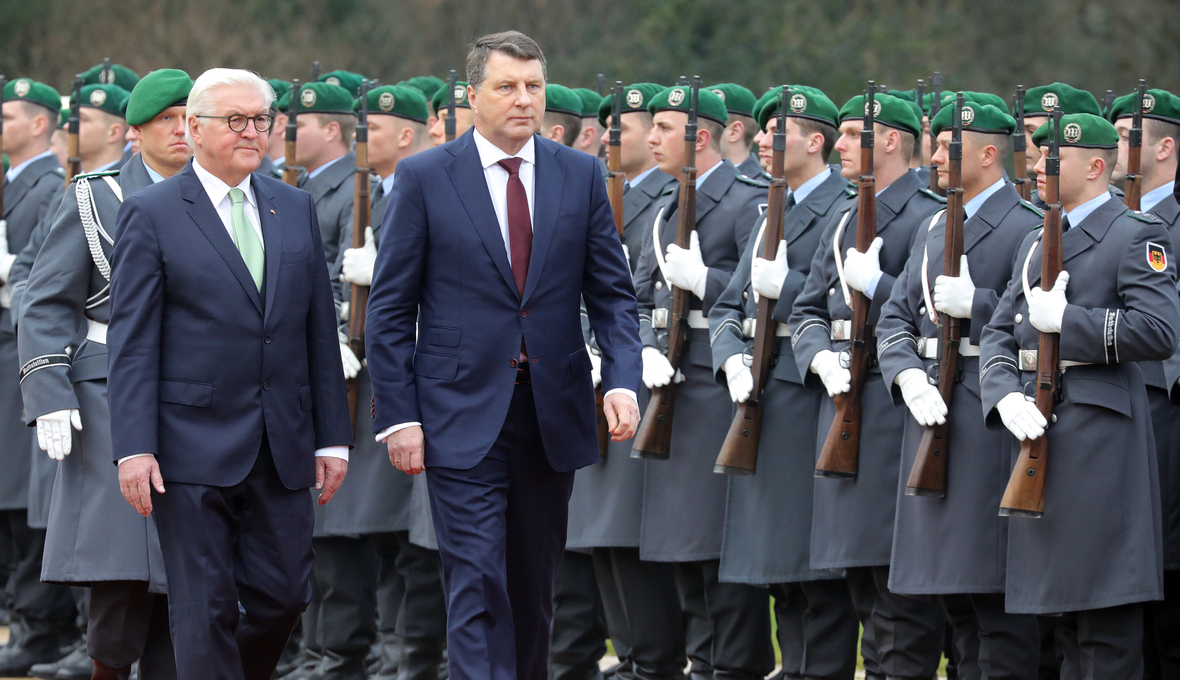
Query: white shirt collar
[[810, 185], [705, 175], [642, 176], [156, 177], [973, 206], [1152, 198], [387, 184], [278, 161], [1080, 213], [324, 167], [218, 189], [490, 154], [16, 170]]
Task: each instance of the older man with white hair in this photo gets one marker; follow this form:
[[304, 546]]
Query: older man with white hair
[[225, 382]]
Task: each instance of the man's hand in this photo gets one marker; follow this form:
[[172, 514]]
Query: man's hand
[[738, 377], [6, 258], [1046, 309], [53, 432], [329, 475], [352, 365], [622, 416], [357, 264], [767, 276], [1021, 416], [954, 295], [407, 450], [922, 398], [686, 269], [137, 478], [836, 378], [657, 370], [595, 366], [861, 268]]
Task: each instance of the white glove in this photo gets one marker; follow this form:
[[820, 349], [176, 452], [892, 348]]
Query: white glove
[[953, 295], [595, 367], [685, 269], [860, 268], [357, 265], [6, 258], [1046, 308], [53, 432], [738, 375], [922, 398], [767, 276], [657, 370], [836, 378], [352, 365], [1021, 416]]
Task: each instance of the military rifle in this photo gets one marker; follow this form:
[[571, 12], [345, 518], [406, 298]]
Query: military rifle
[[739, 451], [1108, 103], [935, 107], [601, 85], [1133, 190], [105, 76], [928, 475], [315, 71], [290, 169], [654, 438], [74, 162], [1025, 494], [1019, 148], [449, 125], [840, 455], [362, 218]]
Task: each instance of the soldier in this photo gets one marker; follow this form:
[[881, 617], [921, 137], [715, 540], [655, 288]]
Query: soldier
[[727, 626], [276, 147], [1161, 132], [852, 525], [429, 85], [563, 115], [42, 615], [590, 139], [60, 144], [324, 148], [114, 74], [955, 547], [738, 137], [1123, 308], [1038, 102], [768, 516], [464, 117], [348, 80], [376, 505], [95, 537]]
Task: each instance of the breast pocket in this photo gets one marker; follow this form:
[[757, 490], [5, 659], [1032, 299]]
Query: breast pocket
[[571, 220]]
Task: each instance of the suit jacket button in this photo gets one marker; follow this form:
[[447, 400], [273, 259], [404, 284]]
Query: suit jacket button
[[266, 340], [524, 313], [265, 385], [512, 363]]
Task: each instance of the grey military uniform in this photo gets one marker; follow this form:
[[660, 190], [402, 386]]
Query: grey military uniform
[[1102, 508], [332, 190], [751, 167], [93, 533], [955, 544]]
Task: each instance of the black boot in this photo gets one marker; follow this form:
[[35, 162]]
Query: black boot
[[391, 654], [37, 642], [338, 666], [420, 659], [74, 666]]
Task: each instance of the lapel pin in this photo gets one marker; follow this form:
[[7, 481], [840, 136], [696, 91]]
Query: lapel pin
[[272, 212]]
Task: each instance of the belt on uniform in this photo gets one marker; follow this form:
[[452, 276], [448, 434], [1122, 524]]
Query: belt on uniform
[[96, 331], [842, 329], [1028, 361], [696, 319], [928, 348], [750, 328]]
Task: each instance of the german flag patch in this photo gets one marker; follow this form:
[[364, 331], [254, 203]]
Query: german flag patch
[[1156, 257]]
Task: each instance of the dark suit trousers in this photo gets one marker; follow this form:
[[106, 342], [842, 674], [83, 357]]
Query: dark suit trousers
[[422, 612], [501, 529], [642, 611], [1104, 644], [579, 623], [735, 622], [346, 575], [126, 623], [902, 635], [1161, 641], [989, 642], [29, 597], [817, 629], [248, 543]]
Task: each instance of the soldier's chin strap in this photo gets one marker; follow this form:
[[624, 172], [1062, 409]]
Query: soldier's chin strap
[[840, 260], [926, 268]]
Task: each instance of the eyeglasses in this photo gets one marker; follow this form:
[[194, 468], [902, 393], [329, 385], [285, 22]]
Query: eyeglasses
[[238, 122]]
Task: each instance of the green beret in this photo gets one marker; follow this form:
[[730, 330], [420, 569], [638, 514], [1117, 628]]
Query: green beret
[[916, 108], [281, 87], [439, 100], [119, 75], [678, 98], [977, 117], [737, 99], [283, 103], [404, 101], [590, 101], [427, 84], [636, 97], [157, 91], [33, 92], [63, 118], [349, 81], [906, 95], [983, 98], [1086, 130], [805, 102], [324, 98], [107, 98], [1039, 101], [561, 99], [889, 111], [4, 162], [1158, 104]]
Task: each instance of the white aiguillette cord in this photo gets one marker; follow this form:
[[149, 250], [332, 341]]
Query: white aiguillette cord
[[926, 268]]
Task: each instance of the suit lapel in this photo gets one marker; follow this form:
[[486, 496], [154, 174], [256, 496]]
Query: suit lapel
[[548, 184], [202, 212], [272, 238], [467, 176]]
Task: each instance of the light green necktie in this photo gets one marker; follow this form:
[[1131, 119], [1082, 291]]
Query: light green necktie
[[245, 238]]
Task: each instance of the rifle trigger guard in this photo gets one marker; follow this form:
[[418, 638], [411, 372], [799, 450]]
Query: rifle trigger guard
[[845, 359], [932, 374], [748, 358]]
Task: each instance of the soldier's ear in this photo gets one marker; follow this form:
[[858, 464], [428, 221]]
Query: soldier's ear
[[1164, 149]]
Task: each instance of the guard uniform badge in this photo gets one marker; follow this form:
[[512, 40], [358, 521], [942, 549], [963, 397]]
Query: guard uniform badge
[[1157, 257]]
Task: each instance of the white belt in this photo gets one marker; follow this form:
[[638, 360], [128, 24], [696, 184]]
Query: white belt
[[928, 348], [96, 331], [1028, 361], [697, 320], [842, 329], [750, 328]]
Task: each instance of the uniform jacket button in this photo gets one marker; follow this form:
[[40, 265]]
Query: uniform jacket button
[[831, 292], [1019, 318], [659, 285]]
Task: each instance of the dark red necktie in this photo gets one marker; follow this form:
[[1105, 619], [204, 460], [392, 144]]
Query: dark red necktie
[[520, 225]]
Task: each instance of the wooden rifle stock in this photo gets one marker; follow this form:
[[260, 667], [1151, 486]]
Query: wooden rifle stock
[[290, 169], [739, 451], [74, 164], [654, 438], [840, 455], [928, 474], [1019, 148], [449, 124], [1133, 190], [1025, 494], [362, 218]]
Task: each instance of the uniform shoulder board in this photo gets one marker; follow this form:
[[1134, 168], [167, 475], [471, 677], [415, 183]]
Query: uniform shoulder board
[[765, 175], [1145, 217], [931, 194], [1034, 209], [669, 190], [90, 175], [850, 192], [60, 172], [745, 179]]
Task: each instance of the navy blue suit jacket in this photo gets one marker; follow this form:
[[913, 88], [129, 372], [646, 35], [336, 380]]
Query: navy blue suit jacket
[[442, 270], [201, 364]]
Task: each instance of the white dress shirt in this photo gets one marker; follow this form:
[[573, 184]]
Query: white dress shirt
[[1152, 198], [496, 176], [15, 170]]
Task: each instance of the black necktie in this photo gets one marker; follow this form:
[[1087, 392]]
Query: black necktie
[[1064, 223], [790, 201], [378, 192], [626, 187]]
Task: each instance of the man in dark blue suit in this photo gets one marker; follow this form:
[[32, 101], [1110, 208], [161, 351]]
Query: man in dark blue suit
[[225, 381], [480, 371]]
